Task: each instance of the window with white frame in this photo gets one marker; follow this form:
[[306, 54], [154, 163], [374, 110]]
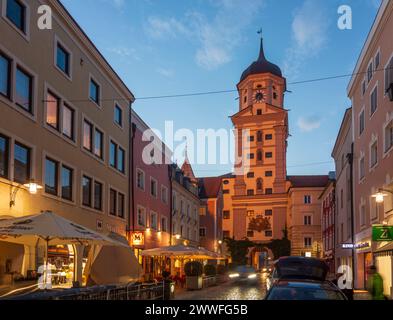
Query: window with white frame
[[361, 122], [141, 216], [388, 75], [307, 220], [388, 133], [140, 179], [362, 168], [377, 60], [374, 100], [307, 242], [363, 87], [153, 220], [164, 224], [374, 154], [362, 212], [202, 232], [307, 199], [370, 72], [153, 187], [164, 194], [373, 207]]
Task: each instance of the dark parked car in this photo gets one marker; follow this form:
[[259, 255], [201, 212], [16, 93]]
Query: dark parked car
[[304, 290]]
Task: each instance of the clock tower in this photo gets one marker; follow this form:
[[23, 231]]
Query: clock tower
[[258, 196]]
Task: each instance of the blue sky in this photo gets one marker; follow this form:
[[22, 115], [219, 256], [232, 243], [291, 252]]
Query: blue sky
[[162, 47]]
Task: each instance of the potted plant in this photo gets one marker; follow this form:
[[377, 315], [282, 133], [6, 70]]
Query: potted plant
[[193, 271]]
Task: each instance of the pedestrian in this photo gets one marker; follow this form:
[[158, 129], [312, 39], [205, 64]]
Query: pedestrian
[[375, 284]]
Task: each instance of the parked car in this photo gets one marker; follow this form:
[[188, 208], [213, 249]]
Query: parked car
[[244, 273], [300, 268], [294, 289]]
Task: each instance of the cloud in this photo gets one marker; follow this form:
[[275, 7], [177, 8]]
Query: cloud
[[309, 123], [309, 36], [216, 36], [124, 52], [168, 73]]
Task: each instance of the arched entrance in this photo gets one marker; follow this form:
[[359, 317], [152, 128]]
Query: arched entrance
[[259, 257]]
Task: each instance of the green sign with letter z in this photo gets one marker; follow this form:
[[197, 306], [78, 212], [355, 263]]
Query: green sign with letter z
[[382, 233]]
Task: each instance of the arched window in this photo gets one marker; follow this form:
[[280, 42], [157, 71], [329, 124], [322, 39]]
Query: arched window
[[259, 184], [259, 136], [259, 155]]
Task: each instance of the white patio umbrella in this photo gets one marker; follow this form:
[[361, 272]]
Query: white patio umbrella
[[51, 228], [178, 251]]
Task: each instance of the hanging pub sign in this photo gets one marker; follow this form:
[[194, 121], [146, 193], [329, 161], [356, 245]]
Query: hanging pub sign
[[382, 233], [137, 238]]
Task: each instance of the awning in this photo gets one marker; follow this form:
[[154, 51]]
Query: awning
[[386, 250], [180, 251]]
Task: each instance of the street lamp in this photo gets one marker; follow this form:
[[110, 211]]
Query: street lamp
[[32, 187], [380, 195]]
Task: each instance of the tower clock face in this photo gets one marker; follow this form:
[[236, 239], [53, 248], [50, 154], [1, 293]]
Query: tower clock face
[[259, 96]]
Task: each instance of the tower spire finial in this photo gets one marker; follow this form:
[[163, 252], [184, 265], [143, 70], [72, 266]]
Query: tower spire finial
[[261, 51]]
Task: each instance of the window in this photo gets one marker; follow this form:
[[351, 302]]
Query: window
[[120, 159], [307, 220], [269, 155], [389, 136], [141, 217], [259, 155], [112, 154], [374, 101], [87, 135], [66, 183], [4, 154], [164, 225], [388, 75], [259, 136], [16, 13], [94, 91], [251, 139], [268, 173], [51, 179], [63, 59], [164, 194], [361, 168], [5, 76], [68, 122], [250, 156], [259, 112], [374, 154], [226, 191], [269, 191], [23, 90], [268, 212], [118, 114], [250, 192], [52, 110], [362, 214], [116, 157], [98, 195], [259, 184], [153, 220], [226, 214], [377, 60], [226, 234], [202, 211], [268, 233], [307, 242], [120, 205], [269, 137], [153, 187], [361, 122], [369, 72], [250, 234], [98, 143], [274, 95], [250, 175], [140, 179], [86, 191], [307, 199], [202, 232], [342, 199], [112, 202], [21, 163], [363, 87]]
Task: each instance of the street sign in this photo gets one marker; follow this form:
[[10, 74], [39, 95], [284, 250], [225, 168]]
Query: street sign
[[382, 233]]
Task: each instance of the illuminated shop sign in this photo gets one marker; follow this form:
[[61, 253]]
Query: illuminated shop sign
[[137, 239]]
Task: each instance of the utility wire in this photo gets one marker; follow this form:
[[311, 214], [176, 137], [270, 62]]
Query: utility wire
[[204, 93]]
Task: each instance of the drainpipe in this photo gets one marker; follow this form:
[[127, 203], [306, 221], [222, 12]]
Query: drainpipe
[[350, 160], [132, 178], [170, 174]]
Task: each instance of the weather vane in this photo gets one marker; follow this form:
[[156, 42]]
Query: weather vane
[[260, 32]]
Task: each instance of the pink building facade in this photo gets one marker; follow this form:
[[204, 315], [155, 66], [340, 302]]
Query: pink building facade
[[150, 209], [373, 147]]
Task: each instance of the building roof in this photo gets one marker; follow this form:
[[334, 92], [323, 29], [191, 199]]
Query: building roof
[[308, 181], [187, 169], [209, 187], [262, 65]]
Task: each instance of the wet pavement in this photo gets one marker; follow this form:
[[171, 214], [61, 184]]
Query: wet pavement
[[231, 290]]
